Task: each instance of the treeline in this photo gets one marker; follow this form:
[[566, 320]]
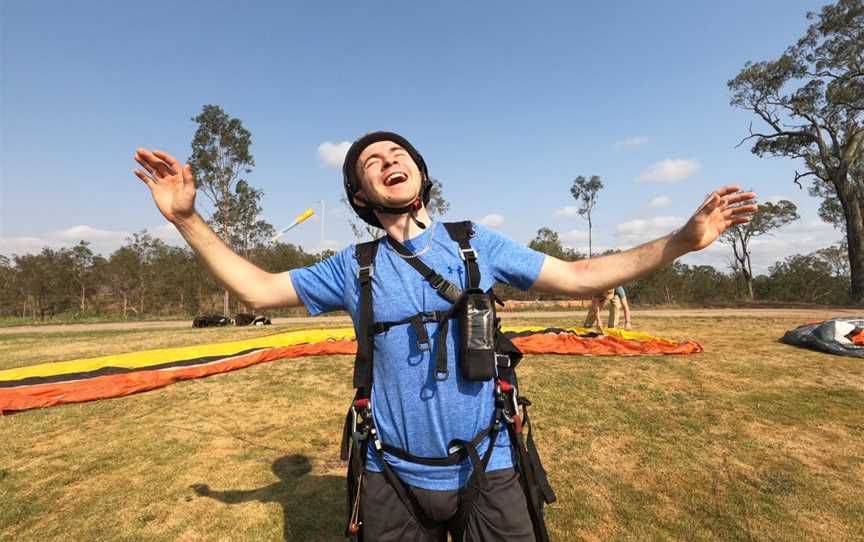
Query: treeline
[[144, 278], [821, 277]]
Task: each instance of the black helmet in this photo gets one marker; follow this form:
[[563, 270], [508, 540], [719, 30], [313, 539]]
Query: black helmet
[[352, 181]]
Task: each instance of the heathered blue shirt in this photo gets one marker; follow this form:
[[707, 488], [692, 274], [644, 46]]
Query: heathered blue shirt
[[411, 409]]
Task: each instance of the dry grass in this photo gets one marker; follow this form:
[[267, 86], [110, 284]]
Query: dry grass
[[752, 440]]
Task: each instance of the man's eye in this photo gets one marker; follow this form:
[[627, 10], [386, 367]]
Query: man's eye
[[371, 163]]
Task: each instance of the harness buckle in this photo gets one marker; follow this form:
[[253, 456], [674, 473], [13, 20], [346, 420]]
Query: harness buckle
[[503, 361], [467, 254], [359, 408], [365, 272], [424, 346]]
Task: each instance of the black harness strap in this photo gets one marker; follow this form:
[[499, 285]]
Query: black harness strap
[[444, 287], [462, 232], [363, 362]]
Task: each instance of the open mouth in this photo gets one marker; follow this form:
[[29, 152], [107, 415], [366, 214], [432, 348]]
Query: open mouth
[[395, 178]]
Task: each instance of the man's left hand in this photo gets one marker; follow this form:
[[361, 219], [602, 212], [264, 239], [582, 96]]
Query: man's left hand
[[722, 209]]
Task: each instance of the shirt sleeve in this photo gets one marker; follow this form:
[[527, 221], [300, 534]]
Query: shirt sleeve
[[511, 263], [619, 291], [321, 287]]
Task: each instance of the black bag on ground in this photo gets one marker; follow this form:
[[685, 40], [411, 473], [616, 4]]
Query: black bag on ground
[[248, 319], [210, 320]]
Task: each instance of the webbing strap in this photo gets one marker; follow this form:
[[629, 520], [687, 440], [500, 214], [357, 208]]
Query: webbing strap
[[365, 253], [462, 232], [444, 287]]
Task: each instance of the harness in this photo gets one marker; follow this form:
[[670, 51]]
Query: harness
[[511, 409]]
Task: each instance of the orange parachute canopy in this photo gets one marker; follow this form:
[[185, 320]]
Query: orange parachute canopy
[[80, 380]]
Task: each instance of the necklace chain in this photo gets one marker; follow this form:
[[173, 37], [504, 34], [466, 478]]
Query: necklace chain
[[421, 251]]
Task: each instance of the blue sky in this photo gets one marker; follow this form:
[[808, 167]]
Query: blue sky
[[508, 103]]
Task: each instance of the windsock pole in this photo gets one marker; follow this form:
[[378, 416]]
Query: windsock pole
[[300, 218]]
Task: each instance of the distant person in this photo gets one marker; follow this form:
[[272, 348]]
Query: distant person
[[616, 299], [437, 442]]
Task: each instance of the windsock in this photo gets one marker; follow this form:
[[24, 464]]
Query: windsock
[[300, 218]]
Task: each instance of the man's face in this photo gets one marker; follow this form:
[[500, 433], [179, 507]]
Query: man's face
[[388, 175]]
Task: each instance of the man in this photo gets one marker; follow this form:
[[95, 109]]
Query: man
[[617, 300], [426, 412]]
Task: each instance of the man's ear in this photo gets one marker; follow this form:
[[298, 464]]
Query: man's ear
[[359, 198]]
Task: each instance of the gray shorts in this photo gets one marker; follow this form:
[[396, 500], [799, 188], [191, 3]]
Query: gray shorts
[[499, 512]]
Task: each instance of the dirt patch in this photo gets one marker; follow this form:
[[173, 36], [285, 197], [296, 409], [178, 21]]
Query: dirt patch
[[805, 314]]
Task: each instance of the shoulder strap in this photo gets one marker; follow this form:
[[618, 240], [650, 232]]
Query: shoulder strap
[[462, 232], [365, 253], [444, 287]]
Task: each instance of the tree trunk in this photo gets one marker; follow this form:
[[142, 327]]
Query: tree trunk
[[225, 301], [852, 204], [855, 241], [589, 235]]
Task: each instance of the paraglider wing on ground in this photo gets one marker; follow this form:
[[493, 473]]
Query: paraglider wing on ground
[[840, 336]]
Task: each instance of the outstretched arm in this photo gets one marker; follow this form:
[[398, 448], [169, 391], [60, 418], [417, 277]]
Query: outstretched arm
[[173, 188], [722, 209]]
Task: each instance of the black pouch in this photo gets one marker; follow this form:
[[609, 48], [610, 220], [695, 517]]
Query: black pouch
[[477, 324]]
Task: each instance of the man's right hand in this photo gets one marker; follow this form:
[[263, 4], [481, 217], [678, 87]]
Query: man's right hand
[[171, 184]]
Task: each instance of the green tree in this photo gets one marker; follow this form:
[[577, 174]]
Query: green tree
[[45, 280], [585, 191], [220, 155], [548, 242], [811, 100], [82, 271], [242, 213], [771, 216]]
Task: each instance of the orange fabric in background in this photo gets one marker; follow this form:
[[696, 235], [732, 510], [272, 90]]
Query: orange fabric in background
[[858, 339], [103, 387], [119, 385], [550, 343]]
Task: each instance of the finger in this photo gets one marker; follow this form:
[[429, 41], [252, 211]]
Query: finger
[[711, 202], [744, 209], [739, 197], [146, 165], [187, 175], [148, 180], [168, 159], [728, 189], [155, 163]]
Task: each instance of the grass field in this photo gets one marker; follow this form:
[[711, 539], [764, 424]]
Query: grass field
[[752, 440]]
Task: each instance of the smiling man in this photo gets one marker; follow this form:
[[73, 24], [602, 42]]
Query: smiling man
[[437, 430]]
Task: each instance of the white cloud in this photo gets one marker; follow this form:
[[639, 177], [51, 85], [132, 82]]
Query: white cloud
[[669, 171], [631, 142], [333, 154], [641, 230], [659, 201], [492, 220], [569, 211], [102, 242], [330, 244]]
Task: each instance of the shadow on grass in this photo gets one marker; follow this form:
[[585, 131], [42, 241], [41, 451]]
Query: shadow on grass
[[312, 506]]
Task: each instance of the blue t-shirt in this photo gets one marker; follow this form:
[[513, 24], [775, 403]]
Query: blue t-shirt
[[411, 409], [619, 291]]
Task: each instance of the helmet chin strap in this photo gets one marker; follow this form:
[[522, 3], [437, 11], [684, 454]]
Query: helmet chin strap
[[410, 209]]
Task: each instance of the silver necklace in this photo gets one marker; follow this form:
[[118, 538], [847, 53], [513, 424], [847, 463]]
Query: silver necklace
[[422, 250]]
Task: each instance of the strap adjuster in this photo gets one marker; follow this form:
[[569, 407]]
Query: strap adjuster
[[467, 254], [503, 361], [365, 272]]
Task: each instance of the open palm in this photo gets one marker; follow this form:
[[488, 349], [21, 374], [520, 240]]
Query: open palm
[[171, 183], [722, 209]]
